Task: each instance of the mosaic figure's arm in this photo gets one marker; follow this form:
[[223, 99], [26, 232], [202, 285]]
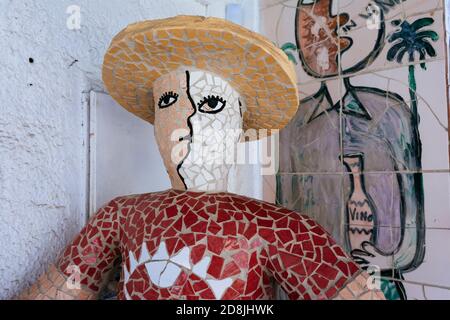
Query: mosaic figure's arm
[[54, 285], [308, 264], [358, 289], [84, 265]]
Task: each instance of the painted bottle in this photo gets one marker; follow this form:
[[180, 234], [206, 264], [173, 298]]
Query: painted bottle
[[361, 215]]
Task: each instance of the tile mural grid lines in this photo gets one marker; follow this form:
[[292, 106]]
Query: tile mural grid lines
[[388, 106], [375, 70], [447, 42], [422, 99]]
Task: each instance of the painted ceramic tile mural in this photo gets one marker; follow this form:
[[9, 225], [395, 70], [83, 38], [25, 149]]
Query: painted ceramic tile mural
[[367, 152]]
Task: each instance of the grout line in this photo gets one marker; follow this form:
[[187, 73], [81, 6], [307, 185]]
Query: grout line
[[373, 71], [447, 43], [369, 71], [338, 173], [341, 123], [407, 227], [417, 283], [412, 14]]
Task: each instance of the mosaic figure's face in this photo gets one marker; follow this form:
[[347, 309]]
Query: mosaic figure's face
[[346, 31], [198, 122]]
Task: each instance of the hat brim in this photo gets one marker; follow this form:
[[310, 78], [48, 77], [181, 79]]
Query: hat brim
[[256, 68]]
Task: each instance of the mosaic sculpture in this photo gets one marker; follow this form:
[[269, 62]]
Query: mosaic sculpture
[[199, 81]]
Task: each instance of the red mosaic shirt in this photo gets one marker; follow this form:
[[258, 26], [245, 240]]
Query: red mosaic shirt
[[191, 245]]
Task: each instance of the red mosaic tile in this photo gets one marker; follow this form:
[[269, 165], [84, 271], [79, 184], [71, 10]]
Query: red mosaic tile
[[252, 206], [188, 239], [275, 215], [243, 244], [344, 267], [253, 260], [282, 223], [187, 289], [200, 227], [171, 232], [197, 253], [199, 285], [178, 225], [213, 227], [151, 295], [241, 258], [307, 245], [249, 216], [215, 266], [238, 216], [267, 234], [252, 282], [199, 237], [215, 244], [246, 240], [231, 244], [212, 209], [180, 245], [239, 285], [229, 228], [285, 235], [203, 214], [329, 255], [207, 294], [263, 214], [231, 269], [288, 259], [256, 243], [251, 231], [222, 216], [353, 267], [265, 222], [230, 294], [171, 243], [189, 219]]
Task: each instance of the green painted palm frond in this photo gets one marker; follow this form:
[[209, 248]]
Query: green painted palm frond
[[408, 40], [428, 34], [428, 47], [291, 57], [287, 48], [421, 23], [398, 50]]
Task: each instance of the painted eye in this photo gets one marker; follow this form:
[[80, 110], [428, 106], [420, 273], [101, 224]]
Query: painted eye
[[211, 104], [167, 99]]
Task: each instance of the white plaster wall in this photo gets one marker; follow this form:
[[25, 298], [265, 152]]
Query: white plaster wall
[[42, 116]]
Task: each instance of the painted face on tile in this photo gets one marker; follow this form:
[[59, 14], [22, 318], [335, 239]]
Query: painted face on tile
[[198, 122], [325, 28]]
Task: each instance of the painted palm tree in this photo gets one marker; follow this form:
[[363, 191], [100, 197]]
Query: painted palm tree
[[409, 40]]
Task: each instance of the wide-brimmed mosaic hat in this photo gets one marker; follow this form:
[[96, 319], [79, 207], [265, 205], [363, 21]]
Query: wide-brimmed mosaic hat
[[255, 67]]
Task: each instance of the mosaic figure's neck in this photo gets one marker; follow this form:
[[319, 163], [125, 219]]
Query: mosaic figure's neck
[[212, 178], [198, 122]]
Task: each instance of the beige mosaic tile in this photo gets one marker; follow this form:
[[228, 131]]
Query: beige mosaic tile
[[144, 51]]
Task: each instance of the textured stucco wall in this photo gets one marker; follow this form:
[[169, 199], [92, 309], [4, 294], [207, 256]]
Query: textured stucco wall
[[42, 115]]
